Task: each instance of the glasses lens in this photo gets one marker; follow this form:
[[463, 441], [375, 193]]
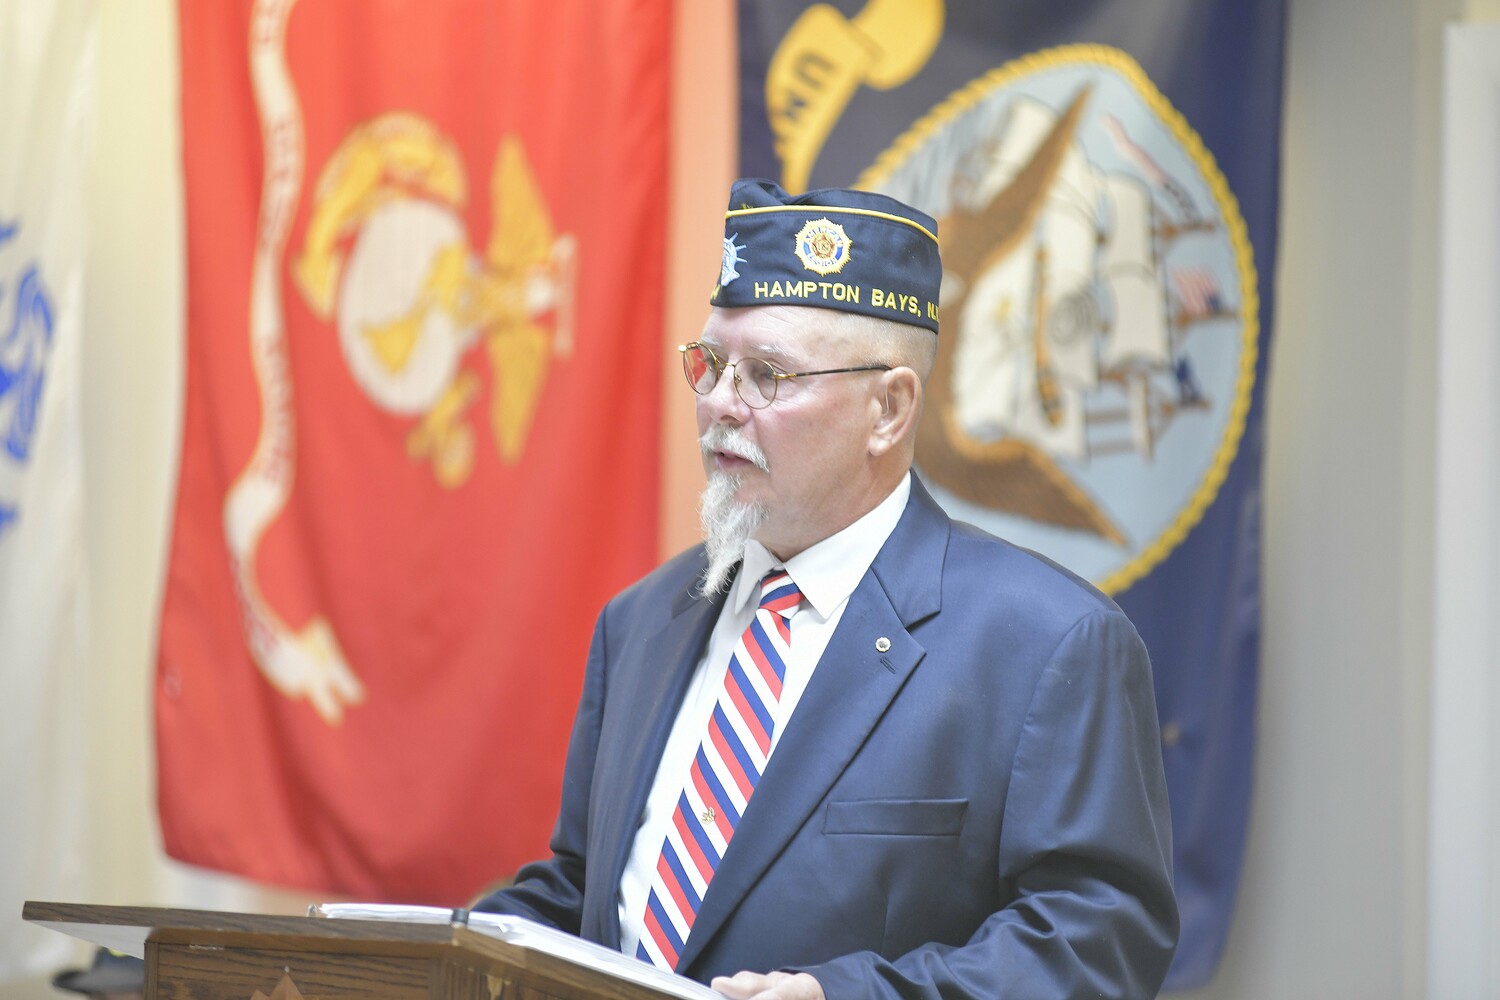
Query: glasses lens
[[757, 382], [698, 365]]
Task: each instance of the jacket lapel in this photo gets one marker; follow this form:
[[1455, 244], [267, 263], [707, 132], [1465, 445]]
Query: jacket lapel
[[849, 692]]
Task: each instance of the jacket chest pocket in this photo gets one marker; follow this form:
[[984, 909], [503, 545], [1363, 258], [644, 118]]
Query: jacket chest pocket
[[896, 817]]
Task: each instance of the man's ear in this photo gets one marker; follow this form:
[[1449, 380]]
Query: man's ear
[[897, 402]]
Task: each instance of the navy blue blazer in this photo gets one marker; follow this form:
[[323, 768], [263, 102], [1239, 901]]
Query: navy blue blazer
[[977, 811]]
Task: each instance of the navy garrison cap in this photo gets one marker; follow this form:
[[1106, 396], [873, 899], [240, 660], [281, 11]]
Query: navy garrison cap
[[854, 251]]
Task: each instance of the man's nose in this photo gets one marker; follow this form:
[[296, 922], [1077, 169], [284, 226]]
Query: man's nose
[[722, 403]]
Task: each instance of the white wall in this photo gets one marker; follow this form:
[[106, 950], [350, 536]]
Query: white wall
[[1333, 901], [1333, 895], [1464, 816]]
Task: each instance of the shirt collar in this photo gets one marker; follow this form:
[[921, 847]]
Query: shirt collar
[[828, 571]]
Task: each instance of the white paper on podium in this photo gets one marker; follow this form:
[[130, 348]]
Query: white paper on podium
[[529, 934]]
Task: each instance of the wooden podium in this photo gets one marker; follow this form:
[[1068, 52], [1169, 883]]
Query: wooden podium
[[210, 955]]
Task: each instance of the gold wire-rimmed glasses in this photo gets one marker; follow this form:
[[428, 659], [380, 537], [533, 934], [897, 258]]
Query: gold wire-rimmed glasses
[[755, 379]]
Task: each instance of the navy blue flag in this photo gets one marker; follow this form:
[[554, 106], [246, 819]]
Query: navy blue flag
[[1105, 177]]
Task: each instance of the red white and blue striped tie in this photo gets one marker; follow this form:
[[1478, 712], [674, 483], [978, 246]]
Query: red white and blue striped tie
[[724, 774]]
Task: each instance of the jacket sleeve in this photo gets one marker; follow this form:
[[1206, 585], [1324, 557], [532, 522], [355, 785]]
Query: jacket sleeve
[[551, 891], [1084, 851]]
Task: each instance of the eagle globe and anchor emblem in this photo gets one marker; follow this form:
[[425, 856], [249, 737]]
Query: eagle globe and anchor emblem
[[386, 257], [1091, 389]]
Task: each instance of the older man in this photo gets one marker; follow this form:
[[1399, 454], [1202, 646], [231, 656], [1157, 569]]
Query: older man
[[849, 747]]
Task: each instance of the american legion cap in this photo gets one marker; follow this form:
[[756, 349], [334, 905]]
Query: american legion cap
[[834, 248]]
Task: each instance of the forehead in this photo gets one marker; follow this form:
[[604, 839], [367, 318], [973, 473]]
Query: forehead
[[770, 332]]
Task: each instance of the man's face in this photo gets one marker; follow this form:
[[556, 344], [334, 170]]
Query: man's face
[[813, 438]]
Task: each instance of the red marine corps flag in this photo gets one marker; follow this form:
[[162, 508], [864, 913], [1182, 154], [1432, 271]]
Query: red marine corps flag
[[425, 282]]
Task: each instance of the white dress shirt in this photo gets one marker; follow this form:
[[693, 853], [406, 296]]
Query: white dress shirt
[[827, 574]]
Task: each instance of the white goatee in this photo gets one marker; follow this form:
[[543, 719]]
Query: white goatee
[[727, 523]]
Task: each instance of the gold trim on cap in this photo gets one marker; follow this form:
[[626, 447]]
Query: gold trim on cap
[[821, 209]]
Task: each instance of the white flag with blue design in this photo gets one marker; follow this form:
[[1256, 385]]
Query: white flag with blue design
[[47, 88]]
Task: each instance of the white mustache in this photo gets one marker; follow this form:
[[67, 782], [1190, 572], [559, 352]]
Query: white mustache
[[732, 440]]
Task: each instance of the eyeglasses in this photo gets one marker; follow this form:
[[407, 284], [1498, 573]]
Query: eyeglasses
[[755, 380]]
